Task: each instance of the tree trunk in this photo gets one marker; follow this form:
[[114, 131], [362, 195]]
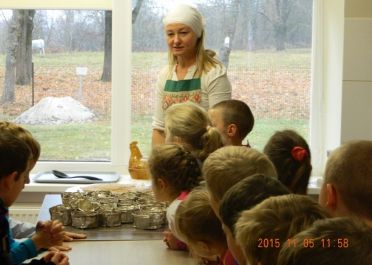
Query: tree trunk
[[24, 49], [253, 27], [280, 33], [136, 10], [106, 75], [9, 80], [225, 50]]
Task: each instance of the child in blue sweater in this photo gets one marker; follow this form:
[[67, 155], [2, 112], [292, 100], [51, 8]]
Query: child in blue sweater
[[15, 164]]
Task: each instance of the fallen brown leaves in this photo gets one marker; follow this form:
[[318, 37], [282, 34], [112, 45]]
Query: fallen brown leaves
[[269, 93]]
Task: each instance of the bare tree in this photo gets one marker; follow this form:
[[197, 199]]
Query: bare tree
[[24, 47], [277, 13], [106, 74], [10, 61], [230, 29], [136, 10], [253, 24]]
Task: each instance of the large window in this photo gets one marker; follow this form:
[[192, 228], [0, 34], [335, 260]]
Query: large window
[[269, 64], [72, 66], [269, 67], [61, 91]]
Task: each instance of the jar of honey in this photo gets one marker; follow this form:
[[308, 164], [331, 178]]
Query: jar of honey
[[138, 168]]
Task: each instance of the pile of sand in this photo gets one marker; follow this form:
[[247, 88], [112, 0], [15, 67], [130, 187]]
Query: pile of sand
[[56, 110]]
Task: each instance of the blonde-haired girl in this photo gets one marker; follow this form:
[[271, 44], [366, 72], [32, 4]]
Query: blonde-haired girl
[[189, 125], [201, 229], [174, 173]]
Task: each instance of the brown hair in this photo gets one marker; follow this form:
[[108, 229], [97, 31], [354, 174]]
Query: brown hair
[[341, 241], [190, 123], [349, 169], [247, 193], [236, 112], [230, 164], [291, 156], [196, 221], [24, 135], [175, 165], [276, 219], [14, 154]]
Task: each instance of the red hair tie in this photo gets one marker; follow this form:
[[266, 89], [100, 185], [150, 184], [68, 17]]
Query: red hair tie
[[298, 153]]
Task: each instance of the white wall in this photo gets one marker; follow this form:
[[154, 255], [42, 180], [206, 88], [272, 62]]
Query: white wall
[[346, 98], [356, 122], [332, 63]]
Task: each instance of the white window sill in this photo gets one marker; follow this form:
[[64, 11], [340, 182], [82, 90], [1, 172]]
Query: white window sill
[[62, 187], [315, 183]]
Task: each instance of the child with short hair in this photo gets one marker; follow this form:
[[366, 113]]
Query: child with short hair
[[20, 229], [242, 196], [341, 241], [201, 229], [189, 125], [264, 229], [347, 186], [174, 173], [234, 120], [15, 165], [228, 165], [291, 157]]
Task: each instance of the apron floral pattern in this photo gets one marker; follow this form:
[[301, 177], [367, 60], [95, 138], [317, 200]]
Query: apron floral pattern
[[181, 91]]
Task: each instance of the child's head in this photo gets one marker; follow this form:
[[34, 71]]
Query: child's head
[[291, 156], [261, 230], [173, 170], [230, 164], [234, 119], [199, 226], [341, 241], [189, 125], [242, 196], [347, 187], [15, 164], [24, 135]]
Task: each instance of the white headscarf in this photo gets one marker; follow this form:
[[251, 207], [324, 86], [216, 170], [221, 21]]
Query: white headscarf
[[187, 15]]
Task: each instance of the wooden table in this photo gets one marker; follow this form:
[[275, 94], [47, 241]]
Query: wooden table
[[107, 246]]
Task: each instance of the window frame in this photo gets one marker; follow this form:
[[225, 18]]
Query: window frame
[[121, 78]]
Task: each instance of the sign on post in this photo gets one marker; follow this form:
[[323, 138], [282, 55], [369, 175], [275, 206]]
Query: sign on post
[[81, 72]]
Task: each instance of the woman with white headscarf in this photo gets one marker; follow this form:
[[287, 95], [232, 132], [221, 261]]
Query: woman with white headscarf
[[193, 74]]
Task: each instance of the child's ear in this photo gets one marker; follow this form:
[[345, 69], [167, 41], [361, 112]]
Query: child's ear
[[331, 196], [203, 245], [8, 181], [161, 184], [231, 130]]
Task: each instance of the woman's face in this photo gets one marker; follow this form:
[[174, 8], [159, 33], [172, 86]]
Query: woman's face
[[181, 40]]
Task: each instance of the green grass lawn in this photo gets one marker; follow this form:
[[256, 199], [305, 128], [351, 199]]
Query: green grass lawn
[[88, 141], [91, 141], [64, 59]]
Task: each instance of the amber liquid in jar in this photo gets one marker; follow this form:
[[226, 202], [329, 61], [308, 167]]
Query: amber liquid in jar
[[137, 165]]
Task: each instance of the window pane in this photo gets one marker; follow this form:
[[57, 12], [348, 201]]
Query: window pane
[[269, 65], [67, 107]]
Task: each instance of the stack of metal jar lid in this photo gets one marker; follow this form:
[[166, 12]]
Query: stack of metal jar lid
[[105, 209]]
